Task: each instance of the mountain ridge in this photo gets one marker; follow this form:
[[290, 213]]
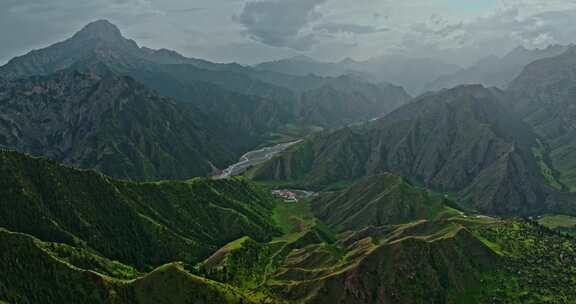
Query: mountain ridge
[[82, 118], [452, 141]]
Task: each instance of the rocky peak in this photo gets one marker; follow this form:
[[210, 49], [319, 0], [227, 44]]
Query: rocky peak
[[101, 29]]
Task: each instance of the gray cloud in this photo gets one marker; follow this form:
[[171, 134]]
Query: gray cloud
[[495, 33], [337, 28], [281, 23], [187, 10], [460, 31]]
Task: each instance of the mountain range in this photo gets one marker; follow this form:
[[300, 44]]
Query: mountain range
[[544, 94], [410, 73], [249, 107], [465, 141], [493, 71], [460, 195], [110, 241], [420, 75], [111, 123]]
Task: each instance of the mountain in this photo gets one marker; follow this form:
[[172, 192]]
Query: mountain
[[395, 266], [464, 141], [110, 123], [278, 100], [241, 98], [410, 73], [109, 241], [449, 261], [85, 277], [544, 94], [302, 66], [361, 101], [100, 39], [496, 72], [143, 225], [379, 200]]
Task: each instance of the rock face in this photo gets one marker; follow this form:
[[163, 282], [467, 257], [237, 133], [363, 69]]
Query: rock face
[[241, 98], [100, 41], [463, 140], [545, 98], [361, 101], [109, 123]]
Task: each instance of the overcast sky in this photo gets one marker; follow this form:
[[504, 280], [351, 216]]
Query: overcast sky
[[249, 31]]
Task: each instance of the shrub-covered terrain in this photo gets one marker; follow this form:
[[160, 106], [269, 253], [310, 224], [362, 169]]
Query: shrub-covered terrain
[[230, 241], [144, 225]]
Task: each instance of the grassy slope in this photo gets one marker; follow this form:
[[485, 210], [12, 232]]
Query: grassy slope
[[144, 225], [541, 156], [461, 260], [379, 200], [29, 272], [449, 259], [429, 141], [30, 280], [558, 222], [442, 260]]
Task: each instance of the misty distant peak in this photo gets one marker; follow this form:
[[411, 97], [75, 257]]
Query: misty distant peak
[[302, 58], [102, 29], [348, 61]]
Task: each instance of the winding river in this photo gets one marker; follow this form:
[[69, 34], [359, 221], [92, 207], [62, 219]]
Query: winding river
[[253, 158]]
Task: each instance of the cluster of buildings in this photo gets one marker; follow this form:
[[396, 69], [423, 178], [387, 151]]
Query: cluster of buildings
[[286, 195]]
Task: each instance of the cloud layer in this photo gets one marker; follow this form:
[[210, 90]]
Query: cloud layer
[[281, 23], [256, 30]]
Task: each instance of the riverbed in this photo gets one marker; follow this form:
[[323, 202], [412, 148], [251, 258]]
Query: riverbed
[[254, 158]]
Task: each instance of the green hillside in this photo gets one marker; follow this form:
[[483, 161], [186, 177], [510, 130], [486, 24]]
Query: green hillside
[[223, 110], [228, 241], [120, 127], [448, 261], [544, 96], [464, 141], [379, 200], [140, 224], [30, 267]]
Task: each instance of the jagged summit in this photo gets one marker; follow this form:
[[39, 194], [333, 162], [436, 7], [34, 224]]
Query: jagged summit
[[102, 29], [99, 42]]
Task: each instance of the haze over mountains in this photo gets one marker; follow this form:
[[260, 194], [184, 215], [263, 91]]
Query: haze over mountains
[[237, 107], [496, 72], [410, 73], [464, 140], [108, 148], [419, 75]]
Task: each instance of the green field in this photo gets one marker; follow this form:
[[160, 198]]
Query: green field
[[288, 133], [563, 223], [293, 218]]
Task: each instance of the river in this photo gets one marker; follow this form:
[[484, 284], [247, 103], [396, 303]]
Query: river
[[253, 158]]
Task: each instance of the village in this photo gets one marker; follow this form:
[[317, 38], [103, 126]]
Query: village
[[292, 196]]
